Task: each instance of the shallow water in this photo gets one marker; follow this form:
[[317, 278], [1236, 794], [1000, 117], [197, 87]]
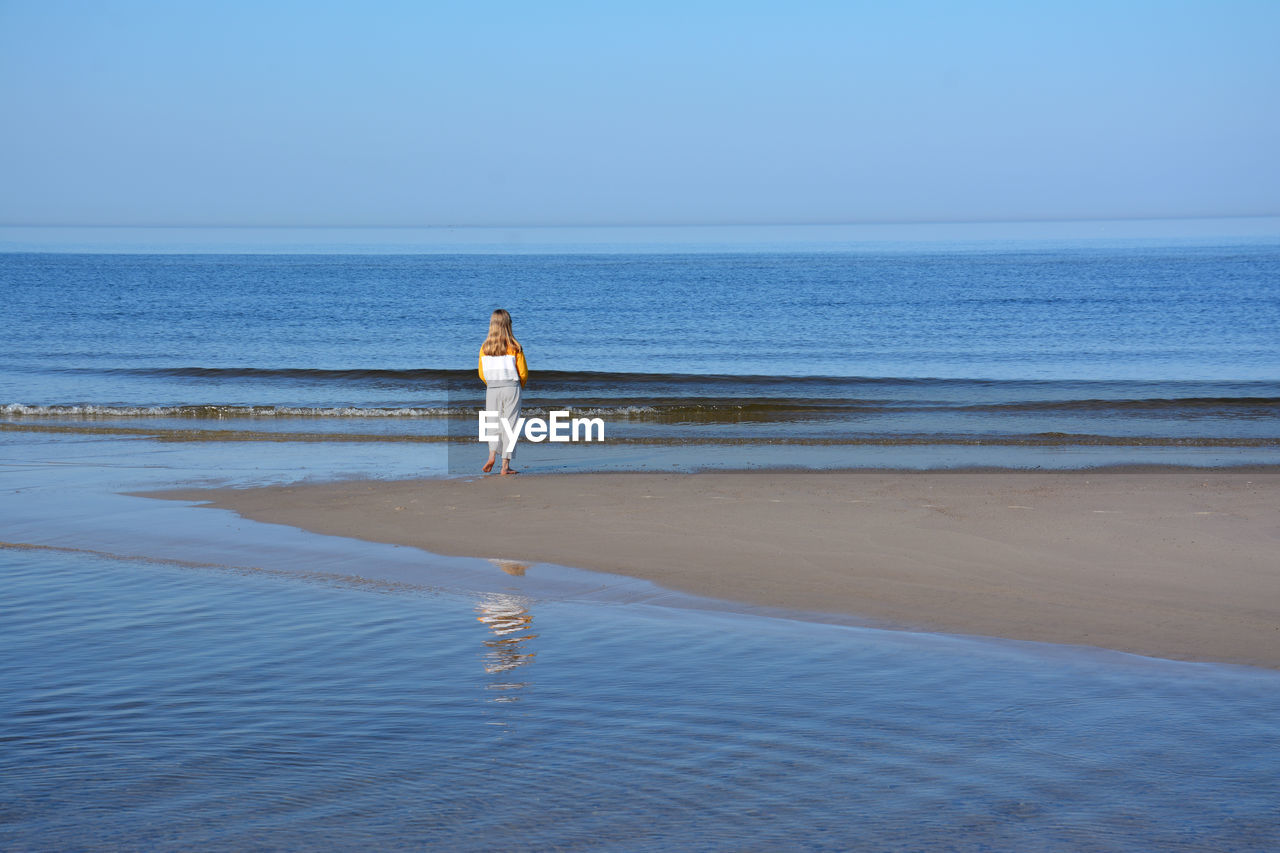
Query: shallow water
[[153, 705], [177, 677]]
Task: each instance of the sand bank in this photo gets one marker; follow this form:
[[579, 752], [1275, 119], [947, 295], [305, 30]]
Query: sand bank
[[1173, 563]]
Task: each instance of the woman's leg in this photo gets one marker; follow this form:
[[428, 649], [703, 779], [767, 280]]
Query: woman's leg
[[491, 405], [510, 411]]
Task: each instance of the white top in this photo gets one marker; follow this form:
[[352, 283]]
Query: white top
[[499, 368]]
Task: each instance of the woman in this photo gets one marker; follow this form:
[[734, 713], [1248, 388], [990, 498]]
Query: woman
[[504, 372]]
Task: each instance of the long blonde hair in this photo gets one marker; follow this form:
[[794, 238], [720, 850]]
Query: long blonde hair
[[500, 341]]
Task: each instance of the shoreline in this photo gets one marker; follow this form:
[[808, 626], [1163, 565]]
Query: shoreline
[[1180, 563]]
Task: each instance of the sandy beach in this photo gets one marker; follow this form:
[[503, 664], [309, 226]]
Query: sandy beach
[[1180, 564]]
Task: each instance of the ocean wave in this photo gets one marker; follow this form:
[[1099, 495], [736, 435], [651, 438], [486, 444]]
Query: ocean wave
[[210, 411], [1261, 406], [693, 410], [1043, 439], [467, 376], [219, 412], [313, 373]]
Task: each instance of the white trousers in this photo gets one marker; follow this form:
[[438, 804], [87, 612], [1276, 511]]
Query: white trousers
[[505, 400]]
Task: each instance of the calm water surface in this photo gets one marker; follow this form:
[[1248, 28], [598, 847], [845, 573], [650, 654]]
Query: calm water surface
[[154, 705], [178, 678], [1155, 352]]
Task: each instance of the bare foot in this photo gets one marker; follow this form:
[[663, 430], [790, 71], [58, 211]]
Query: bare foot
[[506, 470], [488, 466]]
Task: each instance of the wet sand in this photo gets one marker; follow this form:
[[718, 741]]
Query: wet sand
[[1174, 563]]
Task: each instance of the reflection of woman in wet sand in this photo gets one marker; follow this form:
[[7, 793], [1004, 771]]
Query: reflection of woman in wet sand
[[504, 372]]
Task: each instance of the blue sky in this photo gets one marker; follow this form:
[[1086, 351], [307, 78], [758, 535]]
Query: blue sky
[[518, 113]]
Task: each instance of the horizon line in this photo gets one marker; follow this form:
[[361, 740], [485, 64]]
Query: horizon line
[[728, 224]]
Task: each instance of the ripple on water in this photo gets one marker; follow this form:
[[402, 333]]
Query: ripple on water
[[153, 705]]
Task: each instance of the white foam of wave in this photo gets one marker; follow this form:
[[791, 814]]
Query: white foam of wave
[[220, 412]]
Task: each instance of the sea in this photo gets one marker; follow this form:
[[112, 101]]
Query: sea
[[177, 677]]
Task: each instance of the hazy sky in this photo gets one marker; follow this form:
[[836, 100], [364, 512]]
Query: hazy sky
[[439, 113]]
